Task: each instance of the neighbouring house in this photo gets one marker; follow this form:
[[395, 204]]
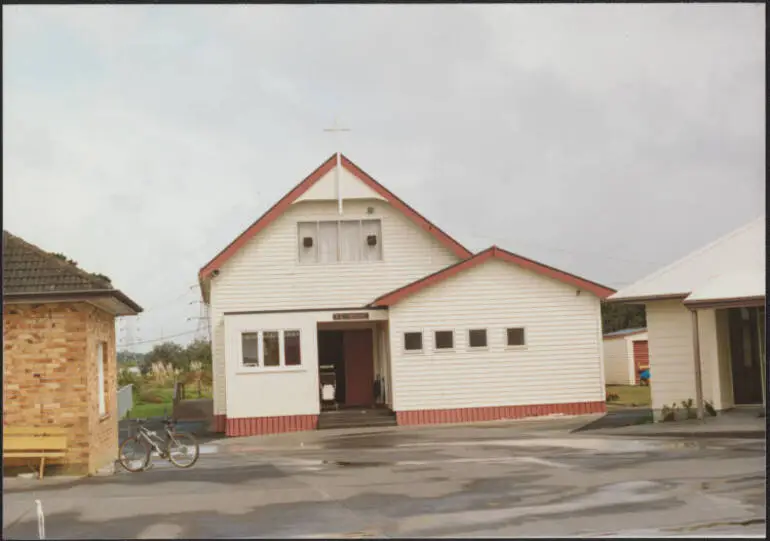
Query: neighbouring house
[[342, 283], [707, 310], [59, 359], [626, 354]]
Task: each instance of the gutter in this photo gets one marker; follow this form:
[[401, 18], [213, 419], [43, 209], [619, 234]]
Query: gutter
[[81, 294]]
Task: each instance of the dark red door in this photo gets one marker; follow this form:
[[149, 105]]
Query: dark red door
[[359, 368], [641, 357]]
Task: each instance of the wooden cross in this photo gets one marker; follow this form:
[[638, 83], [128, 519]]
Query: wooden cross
[[336, 129]]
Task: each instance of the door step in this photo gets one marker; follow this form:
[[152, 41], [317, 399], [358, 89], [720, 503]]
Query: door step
[[362, 418]]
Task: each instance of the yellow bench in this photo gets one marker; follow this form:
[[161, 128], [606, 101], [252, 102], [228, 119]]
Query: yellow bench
[[34, 442]]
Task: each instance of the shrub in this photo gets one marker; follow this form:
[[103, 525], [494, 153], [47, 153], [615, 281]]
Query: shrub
[[687, 405], [668, 414], [151, 396], [710, 409]]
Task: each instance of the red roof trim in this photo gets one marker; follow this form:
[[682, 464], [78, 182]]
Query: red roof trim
[[284, 203], [497, 253]]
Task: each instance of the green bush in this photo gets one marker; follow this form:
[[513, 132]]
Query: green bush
[[151, 396]]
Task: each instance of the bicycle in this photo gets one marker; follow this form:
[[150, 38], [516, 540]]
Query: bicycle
[[175, 447]]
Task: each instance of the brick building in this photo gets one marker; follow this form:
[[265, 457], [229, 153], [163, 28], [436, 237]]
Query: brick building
[[59, 356]]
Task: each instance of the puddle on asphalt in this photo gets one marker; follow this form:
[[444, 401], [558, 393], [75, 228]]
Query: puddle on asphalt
[[347, 464]]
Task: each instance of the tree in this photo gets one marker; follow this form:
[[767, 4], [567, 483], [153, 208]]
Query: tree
[[166, 353], [616, 317], [199, 351]]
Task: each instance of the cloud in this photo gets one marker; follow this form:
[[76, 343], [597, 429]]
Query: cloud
[[606, 139]]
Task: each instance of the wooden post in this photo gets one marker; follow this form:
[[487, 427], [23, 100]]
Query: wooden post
[[42, 467], [696, 359]]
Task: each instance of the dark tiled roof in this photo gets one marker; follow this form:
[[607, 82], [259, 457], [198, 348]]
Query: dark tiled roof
[[29, 269]]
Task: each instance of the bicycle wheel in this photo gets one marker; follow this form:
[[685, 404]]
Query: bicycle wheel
[[134, 454], [182, 449]]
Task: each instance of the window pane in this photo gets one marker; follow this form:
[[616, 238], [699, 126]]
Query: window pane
[[412, 341], [516, 337], [327, 242], [477, 338], [372, 228], [444, 339], [307, 230], [270, 349], [291, 352], [350, 241], [249, 346]]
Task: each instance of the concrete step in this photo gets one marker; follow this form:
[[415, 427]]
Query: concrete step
[[356, 419]]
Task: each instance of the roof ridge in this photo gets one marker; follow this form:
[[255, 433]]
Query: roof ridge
[[64, 265], [693, 254]]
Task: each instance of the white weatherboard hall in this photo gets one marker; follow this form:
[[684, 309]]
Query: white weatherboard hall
[[706, 324], [342, 305]]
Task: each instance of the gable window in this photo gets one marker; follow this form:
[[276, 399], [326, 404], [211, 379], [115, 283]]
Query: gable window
[[339, 241], [250, 348], [271, 349], [515, 336], [413, 341], [101, 368], [445, 339], [477, 338]]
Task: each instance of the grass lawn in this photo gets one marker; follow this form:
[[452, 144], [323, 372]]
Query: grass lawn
[[151, 410], [630, 395]]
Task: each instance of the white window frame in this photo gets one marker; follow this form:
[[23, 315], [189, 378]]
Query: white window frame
[[101, 351], [454, 341], [316, 240], [505, 338], [477, 348], [261, 368], [421, 332]]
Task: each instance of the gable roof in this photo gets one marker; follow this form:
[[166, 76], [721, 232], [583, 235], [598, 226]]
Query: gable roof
[[492, 252], [283, 204], [733, 266], [30, 272], [624, 332]]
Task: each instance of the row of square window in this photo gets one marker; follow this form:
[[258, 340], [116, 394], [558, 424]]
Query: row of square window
[[477, 338], [270, 349]]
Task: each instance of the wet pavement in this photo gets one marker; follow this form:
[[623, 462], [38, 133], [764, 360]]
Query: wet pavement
[[434, 482]]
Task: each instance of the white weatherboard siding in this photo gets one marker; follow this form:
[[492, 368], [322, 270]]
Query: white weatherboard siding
[[562, 361], [265, 275], [672, 365], [350, 188], [619, 367], [616, 361]]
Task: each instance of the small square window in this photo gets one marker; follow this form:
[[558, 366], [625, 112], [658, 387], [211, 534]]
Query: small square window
[[515, 336], [477, 338], [250, 348], [445, 339], [413, 341]]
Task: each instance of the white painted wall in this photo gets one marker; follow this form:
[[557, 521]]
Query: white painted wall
[[616, 360], [264, 392], [562, 361], [672, 364], [266, 275], [619, 368], [350, 187]]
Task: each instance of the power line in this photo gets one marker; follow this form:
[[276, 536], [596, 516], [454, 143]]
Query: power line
[[163, 338]]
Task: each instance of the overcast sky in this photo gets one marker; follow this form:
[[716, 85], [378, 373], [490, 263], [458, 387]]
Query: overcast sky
[[606, 140]]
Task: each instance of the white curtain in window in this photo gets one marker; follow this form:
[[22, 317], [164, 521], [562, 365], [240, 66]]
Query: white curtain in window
[[327, 242], [308, 229], [100, 371], [350, 241], [372, 227]]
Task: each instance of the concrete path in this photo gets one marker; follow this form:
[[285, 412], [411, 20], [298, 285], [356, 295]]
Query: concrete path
[[493, 480]]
